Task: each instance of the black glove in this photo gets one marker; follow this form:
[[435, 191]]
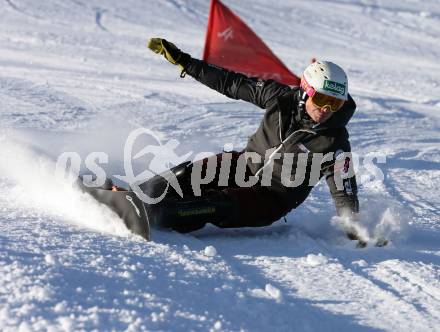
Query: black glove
[[169, 51]]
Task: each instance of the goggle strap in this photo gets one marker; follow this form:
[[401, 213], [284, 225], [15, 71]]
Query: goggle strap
[[307, 87]]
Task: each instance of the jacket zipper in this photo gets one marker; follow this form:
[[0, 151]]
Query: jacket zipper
[[272, 155]]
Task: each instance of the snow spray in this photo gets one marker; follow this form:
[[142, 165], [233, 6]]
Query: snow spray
[[30, 175]]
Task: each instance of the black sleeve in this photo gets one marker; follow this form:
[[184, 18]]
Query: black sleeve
[[341, 181], [235, 85], [345, 198]]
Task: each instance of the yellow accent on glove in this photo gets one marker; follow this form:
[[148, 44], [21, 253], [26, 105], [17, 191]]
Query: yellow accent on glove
[[168, 50]]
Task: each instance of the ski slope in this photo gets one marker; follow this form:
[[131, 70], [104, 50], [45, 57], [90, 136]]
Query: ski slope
[[76, 76]]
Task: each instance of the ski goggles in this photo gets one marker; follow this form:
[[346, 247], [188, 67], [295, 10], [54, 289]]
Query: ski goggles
[[321, 100]]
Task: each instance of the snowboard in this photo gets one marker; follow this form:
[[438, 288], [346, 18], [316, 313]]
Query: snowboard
[[124, 203]]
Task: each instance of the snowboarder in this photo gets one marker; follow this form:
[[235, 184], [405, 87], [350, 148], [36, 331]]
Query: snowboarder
[[308, 120]]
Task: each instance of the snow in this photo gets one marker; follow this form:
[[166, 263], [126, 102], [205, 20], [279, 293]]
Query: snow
[[76, 77], [315, 260], [273, 292], [210, 251]]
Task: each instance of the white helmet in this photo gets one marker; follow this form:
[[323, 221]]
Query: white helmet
[[327, 78]]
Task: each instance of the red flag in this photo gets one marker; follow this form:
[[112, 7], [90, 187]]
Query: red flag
[[231, 44]]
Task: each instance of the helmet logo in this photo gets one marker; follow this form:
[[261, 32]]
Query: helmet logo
[[334, 87]]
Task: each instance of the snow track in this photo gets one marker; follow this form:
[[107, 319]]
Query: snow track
[[76, 76]]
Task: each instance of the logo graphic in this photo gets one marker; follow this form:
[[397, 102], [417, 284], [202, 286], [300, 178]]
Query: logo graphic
[[260, 83], [130, 199], [226, 34], [334, 87], [195, 212], [346, 165], [347, 186], [163, 157]]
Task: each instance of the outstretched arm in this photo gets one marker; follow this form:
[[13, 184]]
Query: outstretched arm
[[235, 85], [231, 84]]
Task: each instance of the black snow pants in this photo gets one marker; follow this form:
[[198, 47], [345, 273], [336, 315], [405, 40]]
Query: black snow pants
[[224, 204]]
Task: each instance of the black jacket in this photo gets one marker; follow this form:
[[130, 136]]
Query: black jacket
[[286, 129]]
